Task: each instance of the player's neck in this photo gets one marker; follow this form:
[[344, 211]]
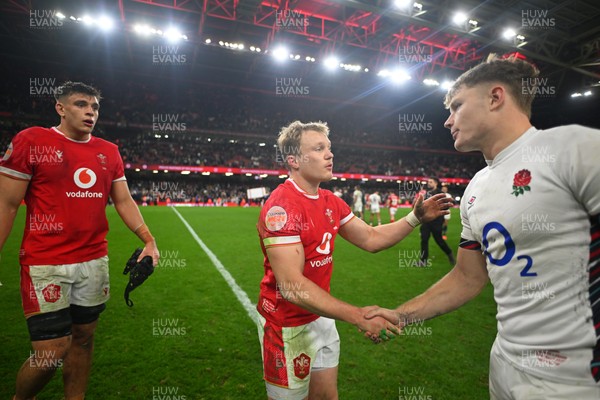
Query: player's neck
[[74, 135], [311, 188], [504, 136]]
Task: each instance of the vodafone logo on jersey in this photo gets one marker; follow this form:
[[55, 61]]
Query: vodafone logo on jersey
[[325, 246], [85, 178]]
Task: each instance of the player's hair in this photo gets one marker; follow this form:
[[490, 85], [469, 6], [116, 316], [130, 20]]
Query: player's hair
[[437, 181], [518, 76], [68, 88], [288, 142]]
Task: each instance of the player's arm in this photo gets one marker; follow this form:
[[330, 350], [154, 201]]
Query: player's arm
[[374, 239], [12, 192], [463, 283], [131, 216], [287, 263]]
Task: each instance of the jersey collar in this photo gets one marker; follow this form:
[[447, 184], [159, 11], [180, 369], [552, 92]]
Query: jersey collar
[[511, 148], [55, 129], [299, 189]]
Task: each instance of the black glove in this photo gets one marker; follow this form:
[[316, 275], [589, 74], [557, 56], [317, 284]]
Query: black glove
[[140, 271]]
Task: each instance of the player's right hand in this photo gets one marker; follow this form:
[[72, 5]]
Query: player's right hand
[[376, 328]]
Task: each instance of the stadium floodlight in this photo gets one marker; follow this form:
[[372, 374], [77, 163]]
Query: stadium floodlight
[[430, 82], [587, 93], [87, 20], [173, 35], [144, 30], [576, 94], [280, 53], [384, 73], [331, 62], [208, 41], [105, 23], [509, 33], [185, 172], [206, 173], [60, 15], [351, 67], [366, 69], [399, 76], [72, 18], [402, 3], [258, 50], [473, 23], [446, 85], [460, 18]]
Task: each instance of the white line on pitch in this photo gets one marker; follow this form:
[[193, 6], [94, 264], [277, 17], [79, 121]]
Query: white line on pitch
[[237, 290]]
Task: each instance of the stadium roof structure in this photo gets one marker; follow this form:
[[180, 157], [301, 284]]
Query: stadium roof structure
[[563, 36]]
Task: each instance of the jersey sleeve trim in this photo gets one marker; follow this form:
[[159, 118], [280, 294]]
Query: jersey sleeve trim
[[120, 179], [346, 219], [15, 174], [469, 244], [281, 240]]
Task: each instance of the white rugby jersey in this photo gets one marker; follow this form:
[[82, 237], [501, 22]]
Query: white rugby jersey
[[534, 212]]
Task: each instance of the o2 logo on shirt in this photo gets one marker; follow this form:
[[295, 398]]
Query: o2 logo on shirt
[[84, 178], [509, 249], [325, 246]]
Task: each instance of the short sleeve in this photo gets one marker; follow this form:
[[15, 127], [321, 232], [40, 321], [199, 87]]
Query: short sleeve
[[280, 224], [467, 239], [119, 174], [580, 170], [344, 211], [15, 162]]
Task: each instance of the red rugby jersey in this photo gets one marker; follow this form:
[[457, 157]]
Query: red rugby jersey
[[289, 216], [69, 186]]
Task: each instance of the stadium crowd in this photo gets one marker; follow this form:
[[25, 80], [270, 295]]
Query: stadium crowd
[[234, 128]]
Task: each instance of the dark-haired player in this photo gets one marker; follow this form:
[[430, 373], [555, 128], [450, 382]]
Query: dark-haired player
[[65, 175], [531, 225], [297, 227], [434, 228]]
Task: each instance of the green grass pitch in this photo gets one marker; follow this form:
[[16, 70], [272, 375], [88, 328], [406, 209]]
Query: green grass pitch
[[188, 337]]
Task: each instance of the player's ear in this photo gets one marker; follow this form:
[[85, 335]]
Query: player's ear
[[497, 96], [292, 161], [60, 109]]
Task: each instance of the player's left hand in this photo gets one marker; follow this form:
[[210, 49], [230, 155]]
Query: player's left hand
[[432, 208], [151, 250]]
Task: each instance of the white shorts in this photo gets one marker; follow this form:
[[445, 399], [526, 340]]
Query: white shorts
[[306, 348], [447, 217], [375, 208], [393, 211], [510, 383], [48, 288], [358, 207]]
